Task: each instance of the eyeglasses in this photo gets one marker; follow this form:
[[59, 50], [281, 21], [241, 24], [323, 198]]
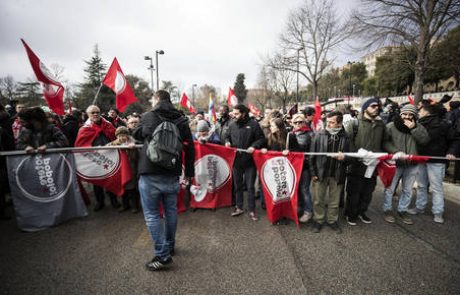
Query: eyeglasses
[[94, 113], [298, 122], [374, 106]]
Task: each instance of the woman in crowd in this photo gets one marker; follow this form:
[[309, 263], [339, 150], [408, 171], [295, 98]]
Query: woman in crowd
[[37, 133], [299, 141]]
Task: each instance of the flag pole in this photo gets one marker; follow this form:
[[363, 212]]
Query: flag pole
[[97, 94]]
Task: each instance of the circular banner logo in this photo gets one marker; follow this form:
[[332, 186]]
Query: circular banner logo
[[211, 174], [279, 178], [97, 164], [120, 83], [44, 178]]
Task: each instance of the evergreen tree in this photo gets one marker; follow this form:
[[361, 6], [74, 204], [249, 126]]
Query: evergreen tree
[[240, 89], [95, 71]]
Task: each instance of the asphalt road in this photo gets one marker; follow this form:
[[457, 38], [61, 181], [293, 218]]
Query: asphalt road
[[105, 253]]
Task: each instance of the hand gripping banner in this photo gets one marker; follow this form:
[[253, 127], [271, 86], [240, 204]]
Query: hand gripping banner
[[44, 190], [280, 176], [212, 187]]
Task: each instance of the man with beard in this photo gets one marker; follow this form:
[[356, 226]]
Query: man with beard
[[402, 137], [366, 132], [223, 122], [244, 133], [444, 142]]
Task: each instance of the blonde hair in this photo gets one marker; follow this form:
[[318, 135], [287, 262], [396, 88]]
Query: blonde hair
[[299, 116]]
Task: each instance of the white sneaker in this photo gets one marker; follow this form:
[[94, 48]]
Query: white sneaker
[[415, 211], [305, 217], [438, 218]]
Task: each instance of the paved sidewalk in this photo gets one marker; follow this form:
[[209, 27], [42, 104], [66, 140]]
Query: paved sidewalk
[[105, 253]]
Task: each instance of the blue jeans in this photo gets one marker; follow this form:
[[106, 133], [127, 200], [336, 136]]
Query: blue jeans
[[432, 174], [156, 190], [305, 199], [408, 176]]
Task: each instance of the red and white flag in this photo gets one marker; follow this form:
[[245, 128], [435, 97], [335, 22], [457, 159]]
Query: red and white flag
[[52, 89], [232, 100], [212, 186], [253, 110], [185, 102], [280, 177], [116, 80], [107, 168]]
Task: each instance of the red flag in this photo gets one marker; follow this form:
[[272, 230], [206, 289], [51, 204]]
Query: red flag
[[107, 168], [317, 116], [280, 176], [52, 89], [253, 109], [185, 102], [232, 100], [213, 176], [411, 100], [116, 80], [386, 168]]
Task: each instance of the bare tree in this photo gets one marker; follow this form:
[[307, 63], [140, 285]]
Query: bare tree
[[313, 31], [8, 87], [280, 82], [415, 23]]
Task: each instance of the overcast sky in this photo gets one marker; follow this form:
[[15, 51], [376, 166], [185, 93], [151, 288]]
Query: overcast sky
[[205, 41]]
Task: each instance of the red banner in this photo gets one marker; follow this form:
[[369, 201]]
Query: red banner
[[280, 176], [212, 186]]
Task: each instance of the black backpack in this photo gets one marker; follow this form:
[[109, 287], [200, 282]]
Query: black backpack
[[165, 147]]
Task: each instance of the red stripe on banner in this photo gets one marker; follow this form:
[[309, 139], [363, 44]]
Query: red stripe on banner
[[280, 176]]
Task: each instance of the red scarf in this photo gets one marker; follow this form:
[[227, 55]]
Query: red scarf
[[90, 131]]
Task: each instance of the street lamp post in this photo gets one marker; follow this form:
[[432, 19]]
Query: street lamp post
[[151, 69], [156, 61], [353, 90], [297, 89], [193, 95]]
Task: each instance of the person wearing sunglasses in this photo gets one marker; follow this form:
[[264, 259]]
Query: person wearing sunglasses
[[299, 141], [367, 132]]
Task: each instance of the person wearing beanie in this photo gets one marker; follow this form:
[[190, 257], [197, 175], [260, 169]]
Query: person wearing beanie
[[204, 133], [402, 137], [367, 132]]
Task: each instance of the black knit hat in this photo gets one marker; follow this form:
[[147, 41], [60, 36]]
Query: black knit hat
[[368, 102]]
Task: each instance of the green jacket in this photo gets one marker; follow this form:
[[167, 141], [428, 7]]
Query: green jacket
[[366, 134], [398, 141]]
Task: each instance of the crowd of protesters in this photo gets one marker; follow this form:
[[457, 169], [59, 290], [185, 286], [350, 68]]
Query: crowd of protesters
[[326, 182]]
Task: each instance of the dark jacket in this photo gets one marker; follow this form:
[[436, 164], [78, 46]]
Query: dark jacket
[[70, 129], [51, 136], [300, 141], [222, 128], [144, 131], [443, 138], [324, 166], [243, 135]]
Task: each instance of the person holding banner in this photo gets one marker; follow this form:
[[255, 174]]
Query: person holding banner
[[244, 133], [299, 141], [6, 144], [403, 136], [328, 172], [37, 133], [158, 184], [97, 131]]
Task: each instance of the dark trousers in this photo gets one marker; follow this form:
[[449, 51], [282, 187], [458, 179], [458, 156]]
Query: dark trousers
[[245, 175], [100, 196], [359, 194]]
